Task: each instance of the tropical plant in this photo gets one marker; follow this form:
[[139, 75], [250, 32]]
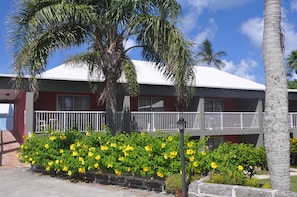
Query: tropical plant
[[276, 132], [292, 61], [39, 28], [207, 55]]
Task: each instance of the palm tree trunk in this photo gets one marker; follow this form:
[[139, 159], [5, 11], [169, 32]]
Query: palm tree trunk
[[111, 103], [276, 132]]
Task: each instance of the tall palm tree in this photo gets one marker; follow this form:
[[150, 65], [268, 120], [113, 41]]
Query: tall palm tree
[[276, 130], [292, 61], [41, 27], [208, 56]]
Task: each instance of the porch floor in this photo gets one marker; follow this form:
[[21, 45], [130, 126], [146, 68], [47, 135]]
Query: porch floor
[[8, 150]]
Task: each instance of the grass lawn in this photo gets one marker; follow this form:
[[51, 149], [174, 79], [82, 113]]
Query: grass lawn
[[293, 183]]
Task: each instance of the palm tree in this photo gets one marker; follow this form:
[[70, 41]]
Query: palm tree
[[292, 61], [276, 132], [42, 27], [208, 56]]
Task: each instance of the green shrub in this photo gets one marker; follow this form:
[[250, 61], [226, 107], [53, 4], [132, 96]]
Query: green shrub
[[141, 154]]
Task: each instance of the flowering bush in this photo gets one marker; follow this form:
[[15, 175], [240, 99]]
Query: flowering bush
[[293, 150], [140, 154], [233, 163]]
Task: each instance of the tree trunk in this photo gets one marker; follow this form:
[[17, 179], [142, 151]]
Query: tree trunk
[[111, 104], [276, 130]]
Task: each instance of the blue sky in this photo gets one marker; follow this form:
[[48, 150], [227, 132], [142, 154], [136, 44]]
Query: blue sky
[[232, 26]]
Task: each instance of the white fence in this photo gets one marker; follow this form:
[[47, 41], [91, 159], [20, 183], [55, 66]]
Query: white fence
[[149, 121]]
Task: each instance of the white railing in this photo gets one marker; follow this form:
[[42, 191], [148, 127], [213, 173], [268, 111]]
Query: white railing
[[63, 120], [292, 120], [231, 120], [149, 121]]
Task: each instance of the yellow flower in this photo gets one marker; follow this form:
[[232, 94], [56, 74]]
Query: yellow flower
[[69, 173], [96, 165], [47, 168], [81, 160], [103, 147], [92, 149], [53, 138], [121, 159], [160, 174], [33, 162], [57, 161], [50, 163], [148, 148], [203, 153], [240, 167], [128, 169], [90, 154], [129, 147], [46, 146], [170, 138], [163, 145], [113, 145], [190, 144], [88, 133], [213, 165], [206, 147], [61, 151], [98, 157], [72, 147], [109, 165], [75, 153], [197, 170], [195, 164], [81, 170], [165, 156], [145, 169], [192, 158], [30, 159], [77, 143], [117, 172], [65, 169], [173, 154], [190, 152], [63, 137]]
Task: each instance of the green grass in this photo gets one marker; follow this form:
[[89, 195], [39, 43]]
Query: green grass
[[293, 183]]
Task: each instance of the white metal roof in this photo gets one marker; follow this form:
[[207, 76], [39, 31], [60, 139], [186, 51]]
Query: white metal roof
[[148, 74]]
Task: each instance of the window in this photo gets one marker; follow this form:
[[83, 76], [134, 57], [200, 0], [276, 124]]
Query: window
[[213, 105], [151, 104], [73, 102]]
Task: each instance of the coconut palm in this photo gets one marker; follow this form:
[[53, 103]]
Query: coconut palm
[[207, 55], [292, 61], [41, 27], [276, 133]]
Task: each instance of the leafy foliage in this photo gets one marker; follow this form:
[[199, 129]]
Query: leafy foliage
[[139, 154]]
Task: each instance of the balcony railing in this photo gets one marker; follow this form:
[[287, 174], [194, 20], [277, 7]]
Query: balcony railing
[[150, 121]]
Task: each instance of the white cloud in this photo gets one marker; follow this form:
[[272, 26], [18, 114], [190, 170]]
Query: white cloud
[[243, 69], [209, 32], [253, 29], [294, 5], [214, 5]]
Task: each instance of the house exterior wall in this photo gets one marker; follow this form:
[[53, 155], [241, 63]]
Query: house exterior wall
[[48, 101], [19, 115]]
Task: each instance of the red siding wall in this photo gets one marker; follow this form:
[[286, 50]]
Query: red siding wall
[[48, 101], [19, 119]]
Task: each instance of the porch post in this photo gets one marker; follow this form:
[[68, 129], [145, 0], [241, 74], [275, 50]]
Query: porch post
[[260, 141], [126, 114], [201, 113], [29, 113]]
